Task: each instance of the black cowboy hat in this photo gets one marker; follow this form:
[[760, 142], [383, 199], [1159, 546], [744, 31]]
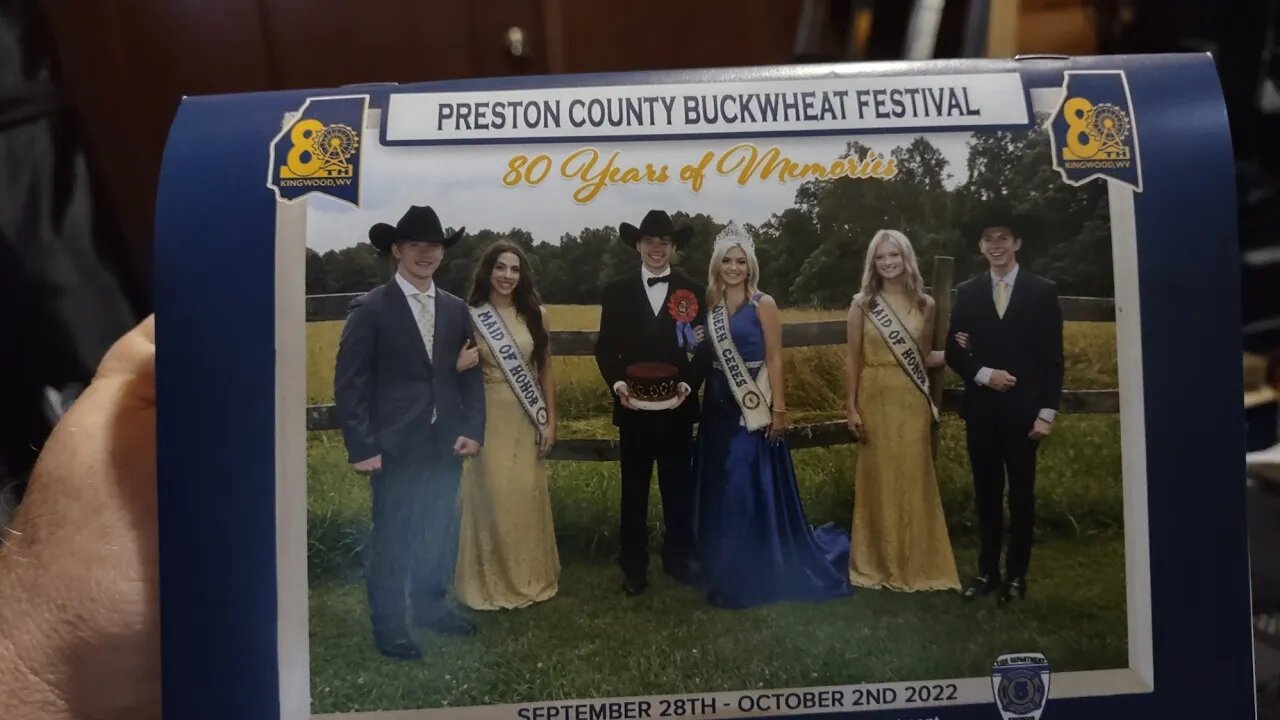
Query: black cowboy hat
[[655, 224], [1002, 212], [418, 224]]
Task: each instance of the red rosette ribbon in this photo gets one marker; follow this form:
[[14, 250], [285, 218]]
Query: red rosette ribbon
[[683, 306]]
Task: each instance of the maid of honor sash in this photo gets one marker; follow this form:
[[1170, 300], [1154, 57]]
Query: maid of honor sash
[[903, 346], [521, 379], [752, 400]]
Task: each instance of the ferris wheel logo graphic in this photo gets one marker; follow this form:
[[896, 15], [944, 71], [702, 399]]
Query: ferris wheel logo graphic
[[320, 150], [1095, 131]]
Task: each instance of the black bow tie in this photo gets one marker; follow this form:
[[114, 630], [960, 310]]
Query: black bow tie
[[655, 280]]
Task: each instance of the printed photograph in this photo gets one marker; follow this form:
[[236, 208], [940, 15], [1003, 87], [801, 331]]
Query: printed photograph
[[837, 410]]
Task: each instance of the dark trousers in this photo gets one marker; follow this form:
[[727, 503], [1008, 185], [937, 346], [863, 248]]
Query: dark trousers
[[414, 544], [671, 450], [999, 448]]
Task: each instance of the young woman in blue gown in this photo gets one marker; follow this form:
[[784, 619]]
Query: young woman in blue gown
[[753, 540]]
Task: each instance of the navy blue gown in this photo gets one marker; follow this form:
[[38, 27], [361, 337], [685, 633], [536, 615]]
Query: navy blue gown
[[753, 540]]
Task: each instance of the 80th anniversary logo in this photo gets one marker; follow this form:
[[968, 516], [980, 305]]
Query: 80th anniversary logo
[[319, 150]]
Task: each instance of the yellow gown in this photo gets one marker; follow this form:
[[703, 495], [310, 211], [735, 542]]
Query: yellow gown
[[507, 556], [900, 539]]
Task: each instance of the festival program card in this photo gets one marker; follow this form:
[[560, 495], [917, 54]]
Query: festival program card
[[1113, 177]]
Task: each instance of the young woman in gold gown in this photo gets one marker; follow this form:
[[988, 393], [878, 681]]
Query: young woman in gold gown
[[507, 555], [899, 539]]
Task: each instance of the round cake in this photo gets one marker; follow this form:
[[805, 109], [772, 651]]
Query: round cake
[[653, 381]]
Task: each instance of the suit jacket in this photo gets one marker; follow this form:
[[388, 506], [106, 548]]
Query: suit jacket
[[631, 333], [386, 388], [1026, 342]]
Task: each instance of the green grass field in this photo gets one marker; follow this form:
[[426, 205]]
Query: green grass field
[[590, 641]]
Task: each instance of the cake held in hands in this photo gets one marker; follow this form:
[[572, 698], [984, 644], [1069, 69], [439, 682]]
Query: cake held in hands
[[653, 384]]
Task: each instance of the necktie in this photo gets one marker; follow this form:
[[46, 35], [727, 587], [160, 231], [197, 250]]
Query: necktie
[[426, 316], [655, 280], [1002, 297]]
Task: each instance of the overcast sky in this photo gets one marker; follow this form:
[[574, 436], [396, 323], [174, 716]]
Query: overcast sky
[[464, 185]]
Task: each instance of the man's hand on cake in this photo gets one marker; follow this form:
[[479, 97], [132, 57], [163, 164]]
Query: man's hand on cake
[[371, 465], [682, 391], [624, 395], [465, 447]]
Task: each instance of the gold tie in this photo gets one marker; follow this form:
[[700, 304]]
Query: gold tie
[[426, 317], [1002, 297], [426, 320]]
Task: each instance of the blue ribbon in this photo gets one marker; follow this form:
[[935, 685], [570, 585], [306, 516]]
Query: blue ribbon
[[685, 336]]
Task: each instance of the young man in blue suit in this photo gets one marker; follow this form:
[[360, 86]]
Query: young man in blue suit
[[408, 419]]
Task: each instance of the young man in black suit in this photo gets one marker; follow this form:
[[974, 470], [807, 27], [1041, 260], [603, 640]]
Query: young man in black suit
[[1012, 369], [638, 324], [408, 418]]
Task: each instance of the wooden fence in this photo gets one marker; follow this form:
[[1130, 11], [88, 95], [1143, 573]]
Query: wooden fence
[[322, 308]]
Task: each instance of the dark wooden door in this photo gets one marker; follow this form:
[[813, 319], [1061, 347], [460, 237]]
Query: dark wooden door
[[125, 70]]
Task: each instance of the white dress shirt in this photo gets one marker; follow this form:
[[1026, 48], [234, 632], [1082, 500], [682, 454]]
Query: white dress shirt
[[984, 374], [657, 292], [409, 291]]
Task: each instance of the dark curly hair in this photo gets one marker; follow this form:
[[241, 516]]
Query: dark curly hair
[[528, 302]]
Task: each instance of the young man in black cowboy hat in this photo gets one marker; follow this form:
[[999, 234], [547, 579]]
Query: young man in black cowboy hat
[[1012, 365], [408, 418], [638, 323]]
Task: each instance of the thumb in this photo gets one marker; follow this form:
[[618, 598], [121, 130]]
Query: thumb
[[95, 478], [131, 361]]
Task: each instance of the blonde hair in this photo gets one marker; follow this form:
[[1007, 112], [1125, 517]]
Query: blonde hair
[[715, 284], [873, 284]]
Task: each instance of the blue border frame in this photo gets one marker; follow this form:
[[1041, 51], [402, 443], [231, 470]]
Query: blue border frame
[[216, 219]]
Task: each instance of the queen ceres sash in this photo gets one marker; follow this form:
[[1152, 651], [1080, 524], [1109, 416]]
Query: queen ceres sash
[[754, 402], [521, 379], [903, 346]]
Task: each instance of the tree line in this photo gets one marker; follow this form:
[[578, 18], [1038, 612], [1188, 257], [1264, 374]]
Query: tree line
[[811, 254]]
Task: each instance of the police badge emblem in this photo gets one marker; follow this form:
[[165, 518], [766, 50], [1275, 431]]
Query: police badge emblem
[[1020, 683]]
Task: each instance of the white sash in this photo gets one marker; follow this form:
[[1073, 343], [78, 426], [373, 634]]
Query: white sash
[[521, 379], [903, 345], [754, 402]]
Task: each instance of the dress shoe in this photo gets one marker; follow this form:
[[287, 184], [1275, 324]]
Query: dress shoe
[[398, 646], [981, 585], [447, 622], [1013, 590], [633, 586], [683, 574]]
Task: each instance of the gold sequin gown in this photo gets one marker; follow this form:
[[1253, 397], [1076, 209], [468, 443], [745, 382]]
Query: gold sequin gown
[[507, 556], [900, 539]]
